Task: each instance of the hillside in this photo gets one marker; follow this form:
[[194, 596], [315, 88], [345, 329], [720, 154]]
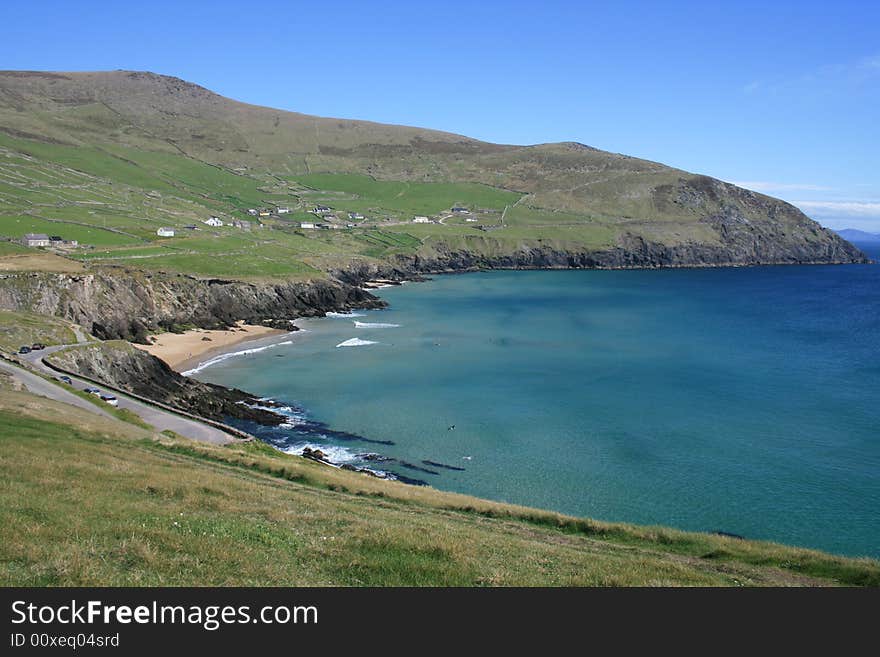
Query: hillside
[[106, 158], [96, 501]]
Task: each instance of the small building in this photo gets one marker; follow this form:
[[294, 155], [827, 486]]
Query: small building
[[242, 224], [471, 220], [307, 224], [252, 212], [321, 209], [263, 213], [214, 221], [421, 220], [165, 232], [282, 209], [35, 239], [458, 210], [356, 216], [191, 227]]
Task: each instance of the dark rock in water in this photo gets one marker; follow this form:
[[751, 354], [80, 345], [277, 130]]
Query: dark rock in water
[[443, 465], [718, 532], [418, 468], [314, 454], [407, 480], [376, 458], [206, 339]]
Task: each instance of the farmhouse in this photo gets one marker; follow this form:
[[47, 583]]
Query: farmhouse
[[165, 232], [213, 221], [471, 220], [356, 216], [421, 220], [252, 212], [282, 209], [264, 213], [35, 239], [458, 210], [307, 224], [321, 209]]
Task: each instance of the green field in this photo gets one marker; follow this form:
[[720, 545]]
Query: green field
[[96, 501], [363, 194], [24, 329], [11, 248]]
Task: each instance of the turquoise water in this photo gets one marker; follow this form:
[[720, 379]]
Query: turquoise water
[[742, 400]]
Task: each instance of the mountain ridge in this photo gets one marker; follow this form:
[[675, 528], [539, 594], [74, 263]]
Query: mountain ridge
[[606, 200]]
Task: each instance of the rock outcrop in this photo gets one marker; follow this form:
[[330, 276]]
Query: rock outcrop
[[130, 304], [119, 365]]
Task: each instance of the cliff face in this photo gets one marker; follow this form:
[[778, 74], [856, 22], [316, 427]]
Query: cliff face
[[122, 366], [129, 304], [740, 247]]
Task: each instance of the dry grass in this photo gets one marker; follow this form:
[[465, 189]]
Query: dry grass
[[39, 261]]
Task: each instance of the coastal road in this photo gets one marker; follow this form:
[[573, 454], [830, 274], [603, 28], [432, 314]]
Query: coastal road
[[160, 419], [39, 386]]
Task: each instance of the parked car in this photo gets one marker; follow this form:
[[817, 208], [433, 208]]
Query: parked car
[[37, 346], [66, 379], [110, 399], [92, 391], [24, 350]]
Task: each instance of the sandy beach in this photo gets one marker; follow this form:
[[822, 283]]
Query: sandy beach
[[184, 350]]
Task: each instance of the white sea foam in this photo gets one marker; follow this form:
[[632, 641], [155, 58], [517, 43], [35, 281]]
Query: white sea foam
[[345, 315], [232, 354], [375, 325], [356, 342], [336, 455]]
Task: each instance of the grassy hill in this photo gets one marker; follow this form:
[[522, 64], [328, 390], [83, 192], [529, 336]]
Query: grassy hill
[[106, 158], [96, 501]]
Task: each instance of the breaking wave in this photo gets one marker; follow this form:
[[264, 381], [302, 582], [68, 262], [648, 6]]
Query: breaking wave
[[232, 354], [375, 325], [356, 342]]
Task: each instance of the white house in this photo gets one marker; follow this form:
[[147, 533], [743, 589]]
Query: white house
[[36, 239], [471, 220], [357, 216], [307, 224], [165, 232], [252, 212], [213, 221], [421, 220], [282, 210]]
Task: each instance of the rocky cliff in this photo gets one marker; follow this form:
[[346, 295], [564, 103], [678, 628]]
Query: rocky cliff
[[129, 304], [122, 366]]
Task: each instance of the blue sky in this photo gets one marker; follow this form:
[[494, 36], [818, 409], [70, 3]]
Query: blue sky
[[782, 97]]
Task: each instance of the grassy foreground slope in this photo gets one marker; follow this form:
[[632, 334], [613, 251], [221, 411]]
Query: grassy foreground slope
[[94, 501]]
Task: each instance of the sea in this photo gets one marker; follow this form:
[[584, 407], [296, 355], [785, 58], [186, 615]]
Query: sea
[[738, 400]]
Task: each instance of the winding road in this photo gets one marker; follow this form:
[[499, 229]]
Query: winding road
[[160, 419]]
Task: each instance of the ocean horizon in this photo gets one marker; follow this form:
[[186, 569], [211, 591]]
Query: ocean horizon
[[740, 400]]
